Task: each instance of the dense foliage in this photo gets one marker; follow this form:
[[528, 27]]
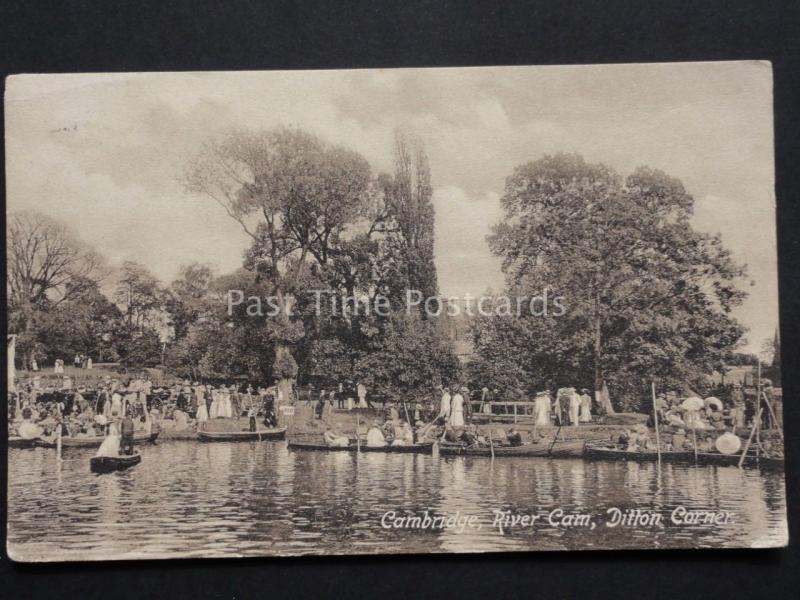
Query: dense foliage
[[646, 297]]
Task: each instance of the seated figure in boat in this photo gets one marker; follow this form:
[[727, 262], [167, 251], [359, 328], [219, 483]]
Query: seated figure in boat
[[471, 438], [375, 437], [333, 439], [513, 437], [403, 435]]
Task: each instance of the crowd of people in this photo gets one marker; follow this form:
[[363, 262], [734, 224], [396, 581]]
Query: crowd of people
[[82, 411]]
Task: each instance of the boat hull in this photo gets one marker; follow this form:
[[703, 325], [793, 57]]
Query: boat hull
[[20, 442], [568, 449], [426, 448], [242, 436], [600, 452], [109, 464], [96, 441]]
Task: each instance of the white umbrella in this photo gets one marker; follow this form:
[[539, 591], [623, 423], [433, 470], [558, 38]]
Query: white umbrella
[[29, 431], [693, 403], [728, 443], [713, 400]]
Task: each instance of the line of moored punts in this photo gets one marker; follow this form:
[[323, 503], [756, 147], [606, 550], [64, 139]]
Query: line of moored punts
[[592, 450]]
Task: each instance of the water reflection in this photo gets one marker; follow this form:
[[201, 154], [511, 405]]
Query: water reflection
[[189, 499]]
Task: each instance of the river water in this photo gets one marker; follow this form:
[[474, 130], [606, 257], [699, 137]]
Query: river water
[[188, 499]]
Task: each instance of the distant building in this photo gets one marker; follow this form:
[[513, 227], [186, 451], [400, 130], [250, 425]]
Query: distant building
[[457, 328], [746, 376]]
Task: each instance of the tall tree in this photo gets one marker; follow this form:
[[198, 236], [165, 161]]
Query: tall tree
[[408, 198], [295, 196], [187, 296], [141, 300], [46, 265], [646, 295]]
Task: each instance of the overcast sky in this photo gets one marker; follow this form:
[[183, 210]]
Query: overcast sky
[[104, 153]]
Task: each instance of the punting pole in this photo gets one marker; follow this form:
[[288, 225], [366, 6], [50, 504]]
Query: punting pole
[[655, 419], [358, 438], [772, 413], [405, 409], [491, 443], [555, 437], [750, 439], [58, 444]]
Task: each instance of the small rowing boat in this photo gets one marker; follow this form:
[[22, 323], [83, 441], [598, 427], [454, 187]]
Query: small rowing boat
[[559, 449], [608, 451], [611, 451], [423, 448], [242, 436], [109, 464], [750, 460], [94, 441], [14, 441]]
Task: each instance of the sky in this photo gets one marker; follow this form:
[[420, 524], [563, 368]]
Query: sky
[[105, 153]]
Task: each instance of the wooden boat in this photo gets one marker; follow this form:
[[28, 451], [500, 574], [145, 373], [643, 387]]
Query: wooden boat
[[607, 451], [14, 441], [242, 436], [750, 460], [141, 437], [611, 451], [423, 448], [108, 464], [559, 449]]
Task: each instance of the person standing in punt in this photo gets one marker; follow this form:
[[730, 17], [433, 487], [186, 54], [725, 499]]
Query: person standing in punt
[[126, 430], [251, 416]]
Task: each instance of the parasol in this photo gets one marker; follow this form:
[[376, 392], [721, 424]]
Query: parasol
[[728, 443], [714, 401], [693, 403], [29, 431]]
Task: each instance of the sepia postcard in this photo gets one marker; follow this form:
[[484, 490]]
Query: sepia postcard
[[444, 310]]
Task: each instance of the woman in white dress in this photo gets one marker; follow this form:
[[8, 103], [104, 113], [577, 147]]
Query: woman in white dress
[[542, 408], [213, 411], [574, 407], [457, 410], [586, 407], [202, 412], [361, 390], [110, 445], [227, 404]]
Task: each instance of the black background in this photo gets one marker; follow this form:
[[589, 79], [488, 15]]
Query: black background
[[70, 36]]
